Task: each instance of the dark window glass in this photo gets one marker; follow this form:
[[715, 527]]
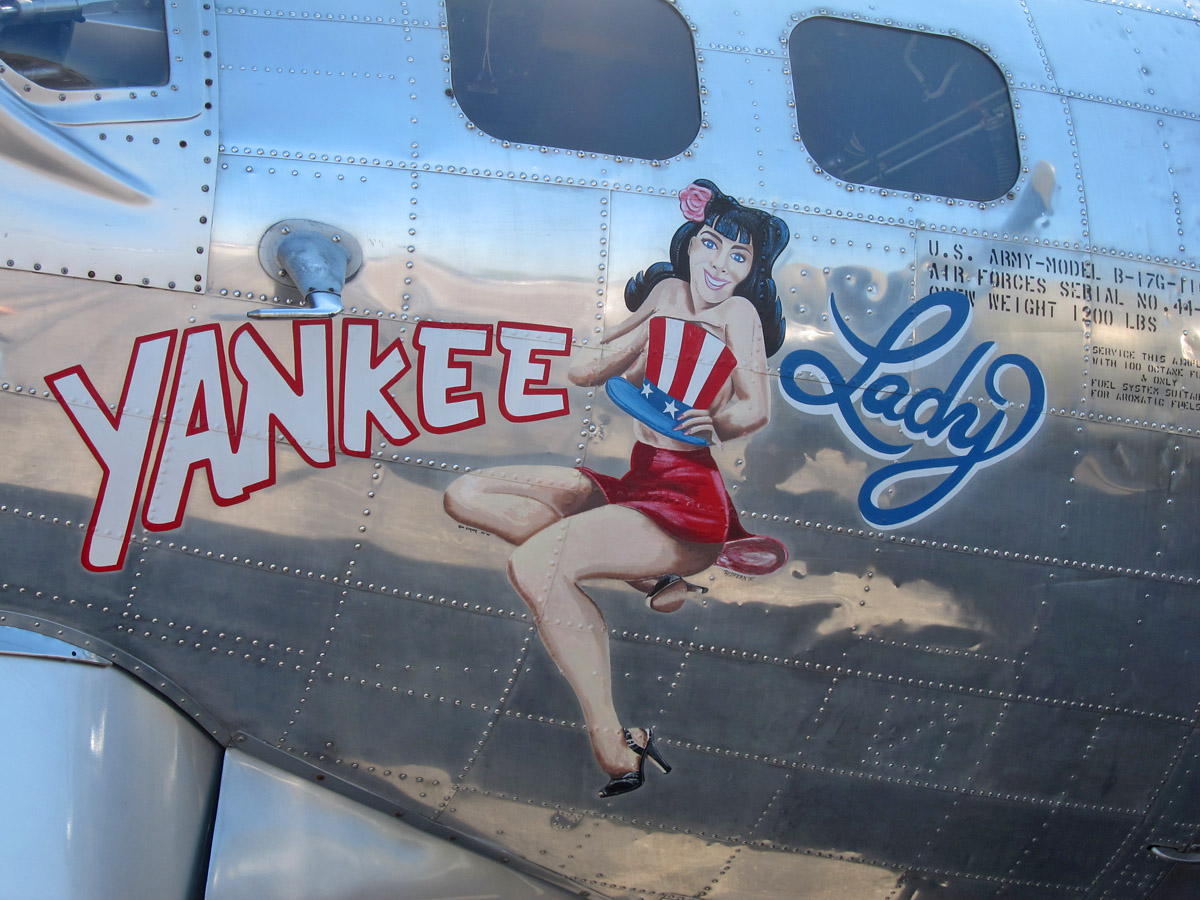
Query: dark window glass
[[118, 44], [607, 76], [904, 110]]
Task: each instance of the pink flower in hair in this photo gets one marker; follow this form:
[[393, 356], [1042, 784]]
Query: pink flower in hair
[[693, 200]]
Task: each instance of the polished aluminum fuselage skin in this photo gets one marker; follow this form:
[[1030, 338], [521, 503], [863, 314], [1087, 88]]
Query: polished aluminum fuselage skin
[[996, 699]]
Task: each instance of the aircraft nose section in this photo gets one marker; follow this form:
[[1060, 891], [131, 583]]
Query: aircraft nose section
[[316, 258]]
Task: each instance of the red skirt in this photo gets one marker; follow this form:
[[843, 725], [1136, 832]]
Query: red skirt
[[683, 493]]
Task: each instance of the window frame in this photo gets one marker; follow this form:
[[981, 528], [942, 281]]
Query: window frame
[[885, 189], [457, 98], [191, 52]]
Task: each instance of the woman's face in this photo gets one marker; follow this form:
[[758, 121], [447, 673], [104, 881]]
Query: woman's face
[[718, 265]]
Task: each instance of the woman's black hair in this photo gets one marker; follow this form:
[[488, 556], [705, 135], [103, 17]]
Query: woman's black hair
[[766, 234]]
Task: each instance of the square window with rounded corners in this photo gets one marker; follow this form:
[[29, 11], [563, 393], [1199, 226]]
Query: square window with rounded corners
[[904, 110], [616, 77], [78, 45]]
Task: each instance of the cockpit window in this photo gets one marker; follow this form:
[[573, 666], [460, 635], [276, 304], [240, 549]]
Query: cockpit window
[[605, 76], [81, 44], [901, 109]]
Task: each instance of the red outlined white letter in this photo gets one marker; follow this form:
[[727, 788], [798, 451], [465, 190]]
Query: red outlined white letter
[[526, 349], [445, 401], [121, 443]]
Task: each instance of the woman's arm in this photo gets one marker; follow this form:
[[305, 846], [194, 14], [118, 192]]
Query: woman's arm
[[643, 313], [615, 356], [607, 360]]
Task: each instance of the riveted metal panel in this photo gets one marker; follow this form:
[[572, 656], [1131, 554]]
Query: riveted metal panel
[[256, 193], [1097, 781], [1179, 135], [738, 128], [1122, 497], [258, 63], [207, 638], [1117, 214], [1047, 207], [746, 785], [570, 837], [397, 552], [432, 715], [124, 192], [824, 875], [213, 531], [474, 238], [1127, 634], [89, 599], [994, 699], [1136, 44]]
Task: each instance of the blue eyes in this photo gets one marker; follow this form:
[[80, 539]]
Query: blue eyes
[[736, 256]]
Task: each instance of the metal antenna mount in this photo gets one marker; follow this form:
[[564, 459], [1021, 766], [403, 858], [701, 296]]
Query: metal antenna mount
[[314, 257]]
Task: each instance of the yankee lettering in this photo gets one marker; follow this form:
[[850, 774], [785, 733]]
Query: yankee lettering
[[172, 422]]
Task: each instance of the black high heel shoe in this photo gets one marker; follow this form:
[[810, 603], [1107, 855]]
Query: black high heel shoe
[[666, 594], [631, 781]]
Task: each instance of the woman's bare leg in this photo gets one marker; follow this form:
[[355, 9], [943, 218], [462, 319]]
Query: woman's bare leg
[[605, 542], [514, 502]]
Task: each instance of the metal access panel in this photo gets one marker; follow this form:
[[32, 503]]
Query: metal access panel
[[281, 836], [109, 790]]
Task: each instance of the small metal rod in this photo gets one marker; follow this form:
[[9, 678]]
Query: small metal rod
[[25, 11], [325, 305], [1170, 854]]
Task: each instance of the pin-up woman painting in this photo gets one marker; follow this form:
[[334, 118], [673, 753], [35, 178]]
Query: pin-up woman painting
[[690, 364]]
